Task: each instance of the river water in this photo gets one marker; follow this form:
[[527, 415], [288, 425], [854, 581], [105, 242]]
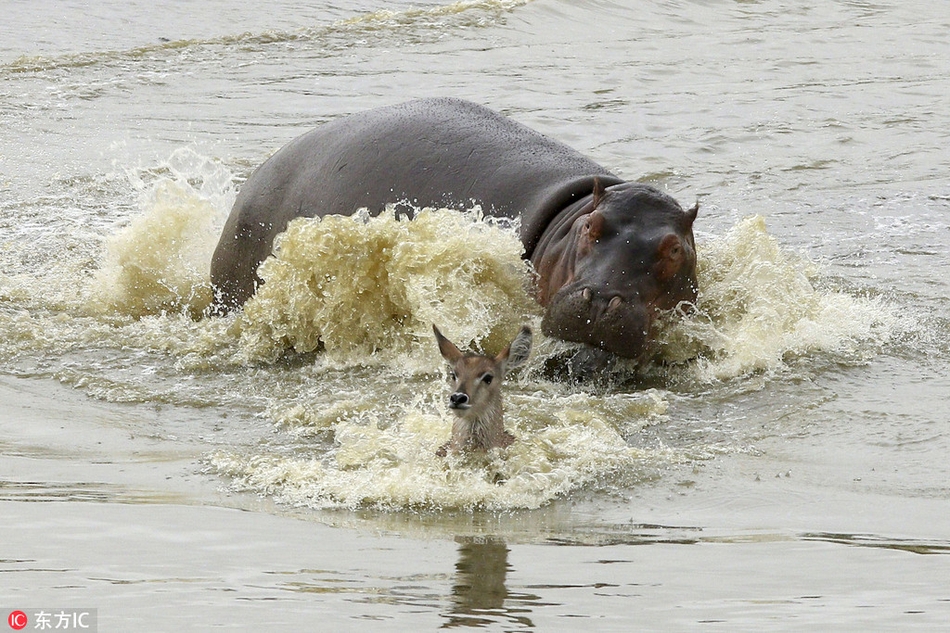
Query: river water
[[781, 466]]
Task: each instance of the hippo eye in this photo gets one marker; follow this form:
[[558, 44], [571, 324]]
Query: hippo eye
[[487, 378]]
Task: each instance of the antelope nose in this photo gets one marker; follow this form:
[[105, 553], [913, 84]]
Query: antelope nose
[[458, 400]]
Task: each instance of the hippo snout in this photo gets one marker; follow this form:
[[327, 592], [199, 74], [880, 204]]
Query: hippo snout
[[612, 322]]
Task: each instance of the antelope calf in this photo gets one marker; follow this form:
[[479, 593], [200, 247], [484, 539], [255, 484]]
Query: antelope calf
[[476, 393]]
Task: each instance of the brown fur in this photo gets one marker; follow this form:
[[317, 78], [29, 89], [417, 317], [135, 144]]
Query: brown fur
[[476, 394]]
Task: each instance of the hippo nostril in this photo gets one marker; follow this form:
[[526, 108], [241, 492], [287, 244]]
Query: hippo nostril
[[586, 294], [614, 303], [458, 400]]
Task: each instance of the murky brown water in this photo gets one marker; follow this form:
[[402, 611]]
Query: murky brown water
[[785, 469]]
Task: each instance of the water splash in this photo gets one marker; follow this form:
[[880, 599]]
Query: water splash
[[760, 306], [160, 262], [372, 287], [358, 423], [564, 442]]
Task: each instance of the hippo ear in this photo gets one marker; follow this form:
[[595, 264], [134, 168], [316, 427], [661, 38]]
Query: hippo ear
[[691, 214], [595, 225], [599, 191], [516, 354], [447, 348]]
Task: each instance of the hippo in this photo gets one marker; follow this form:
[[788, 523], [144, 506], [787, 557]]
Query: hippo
[[609, 254]]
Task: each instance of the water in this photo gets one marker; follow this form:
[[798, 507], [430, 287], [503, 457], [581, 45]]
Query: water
[[784, 463]]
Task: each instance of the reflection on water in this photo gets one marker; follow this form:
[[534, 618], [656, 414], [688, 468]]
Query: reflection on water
[[479, 594], [95, 492], [913, 546]]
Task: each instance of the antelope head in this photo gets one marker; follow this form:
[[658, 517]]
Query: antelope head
[[476, 393]]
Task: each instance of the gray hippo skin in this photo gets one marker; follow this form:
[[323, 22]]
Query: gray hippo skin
[[609, 254]]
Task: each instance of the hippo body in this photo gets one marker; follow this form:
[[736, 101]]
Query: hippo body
[[608, 253]]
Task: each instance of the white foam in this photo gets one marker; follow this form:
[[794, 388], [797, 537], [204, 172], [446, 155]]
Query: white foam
[[760, 305], [160, 262]]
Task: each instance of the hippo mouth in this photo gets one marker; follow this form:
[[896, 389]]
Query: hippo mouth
[[611, 323]]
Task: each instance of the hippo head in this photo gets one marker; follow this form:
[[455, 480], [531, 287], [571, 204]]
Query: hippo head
[[629, 255]]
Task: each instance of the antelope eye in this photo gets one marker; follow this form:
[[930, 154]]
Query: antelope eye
[[487, 378], [453, 376]]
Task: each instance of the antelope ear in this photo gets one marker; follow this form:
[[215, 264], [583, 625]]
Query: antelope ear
[[518, 351], [447, 348]]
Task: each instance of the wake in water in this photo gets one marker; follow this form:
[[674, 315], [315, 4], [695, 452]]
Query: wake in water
[[438, 19], [365, 288], [564, 441], [359, 422]]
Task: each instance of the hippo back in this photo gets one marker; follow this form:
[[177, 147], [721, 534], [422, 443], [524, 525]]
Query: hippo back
[[430, 152]]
